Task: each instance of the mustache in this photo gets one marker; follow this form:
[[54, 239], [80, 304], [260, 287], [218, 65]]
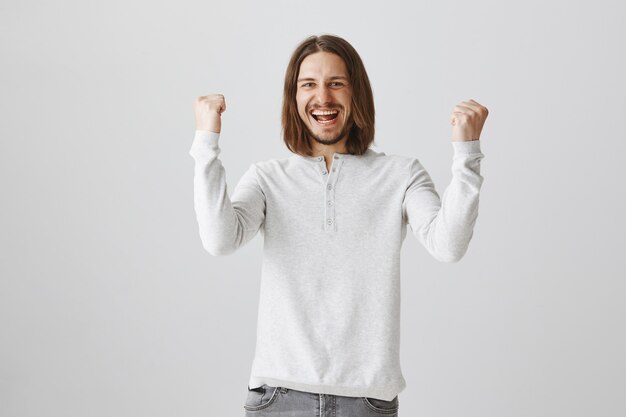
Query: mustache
[[331, 107]]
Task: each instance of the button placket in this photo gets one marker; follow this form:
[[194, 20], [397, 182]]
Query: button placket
[[329, 195]]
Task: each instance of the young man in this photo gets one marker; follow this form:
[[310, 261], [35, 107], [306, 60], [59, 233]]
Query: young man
[[333, 216]]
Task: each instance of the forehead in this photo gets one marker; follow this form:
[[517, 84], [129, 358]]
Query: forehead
[[323, 64]]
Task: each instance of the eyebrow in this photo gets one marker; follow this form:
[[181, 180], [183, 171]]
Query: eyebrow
[[336, 77]]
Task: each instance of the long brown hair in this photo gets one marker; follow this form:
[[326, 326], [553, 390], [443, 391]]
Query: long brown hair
[[294, 131]]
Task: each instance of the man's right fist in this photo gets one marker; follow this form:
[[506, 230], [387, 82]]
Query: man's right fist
[[208, 111]]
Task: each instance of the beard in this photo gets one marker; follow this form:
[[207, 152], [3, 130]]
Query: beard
[[343, 133]]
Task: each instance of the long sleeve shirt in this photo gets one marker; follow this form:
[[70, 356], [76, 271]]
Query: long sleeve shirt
[[329, 306]]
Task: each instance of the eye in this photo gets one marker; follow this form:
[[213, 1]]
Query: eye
[[305, 84], [336, 82]]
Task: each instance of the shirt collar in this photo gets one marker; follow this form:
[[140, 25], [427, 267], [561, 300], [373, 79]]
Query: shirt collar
[[335, 155]]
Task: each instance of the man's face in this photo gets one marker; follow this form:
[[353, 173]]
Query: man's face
[[323, 85]]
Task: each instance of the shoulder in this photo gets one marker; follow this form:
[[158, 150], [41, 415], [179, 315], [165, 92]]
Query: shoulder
[[373, 157], [273, 164], [394, 161]]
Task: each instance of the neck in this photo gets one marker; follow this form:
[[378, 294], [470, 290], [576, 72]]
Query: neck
[[320, 149]]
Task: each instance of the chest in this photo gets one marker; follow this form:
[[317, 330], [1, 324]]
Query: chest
[[337, 198]]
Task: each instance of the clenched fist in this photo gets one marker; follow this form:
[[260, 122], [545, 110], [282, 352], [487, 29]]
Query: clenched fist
[[467, 119], [209, 111]]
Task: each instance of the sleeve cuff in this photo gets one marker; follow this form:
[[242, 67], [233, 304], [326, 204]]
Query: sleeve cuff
[[466, 147], [205, 140]]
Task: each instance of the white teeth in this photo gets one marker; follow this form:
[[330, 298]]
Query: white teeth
[[324, 112]]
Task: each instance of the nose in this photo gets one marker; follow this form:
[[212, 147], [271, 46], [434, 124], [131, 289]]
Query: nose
[[324, 94]]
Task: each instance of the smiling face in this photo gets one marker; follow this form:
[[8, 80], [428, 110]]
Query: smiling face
[[323, 87]]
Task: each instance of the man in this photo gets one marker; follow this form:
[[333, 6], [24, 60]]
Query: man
[[333, 216]]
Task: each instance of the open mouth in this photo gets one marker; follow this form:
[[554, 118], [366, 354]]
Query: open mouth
[[325, 118]]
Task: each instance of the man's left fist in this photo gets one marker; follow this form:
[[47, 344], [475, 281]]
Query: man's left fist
[[467, 120]]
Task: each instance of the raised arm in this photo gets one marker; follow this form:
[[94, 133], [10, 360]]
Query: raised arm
[[225, 223], [445, 226]]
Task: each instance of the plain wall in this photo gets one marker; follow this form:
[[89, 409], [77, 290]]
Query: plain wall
[[109, 306]]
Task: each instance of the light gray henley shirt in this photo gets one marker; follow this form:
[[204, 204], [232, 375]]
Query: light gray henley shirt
[[329, 306]]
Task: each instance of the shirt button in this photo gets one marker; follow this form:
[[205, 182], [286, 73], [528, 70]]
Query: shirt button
[[324, 172], [330, 186], [330, 203], [321, 158], [334, 169], [330, 221], [336, 157]]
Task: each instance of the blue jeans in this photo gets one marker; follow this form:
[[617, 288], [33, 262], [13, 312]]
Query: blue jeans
[[267, 401]]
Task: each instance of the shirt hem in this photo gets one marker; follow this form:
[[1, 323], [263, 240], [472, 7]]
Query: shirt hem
[[385, 392]]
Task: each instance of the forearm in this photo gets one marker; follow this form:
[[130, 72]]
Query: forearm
[[224, 224], [445, 226], [452, 229]]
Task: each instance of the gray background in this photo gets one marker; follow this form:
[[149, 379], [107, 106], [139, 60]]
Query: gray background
[[110, 307]]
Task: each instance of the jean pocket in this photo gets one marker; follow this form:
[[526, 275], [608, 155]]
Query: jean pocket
[[382, 406], [260, 398]]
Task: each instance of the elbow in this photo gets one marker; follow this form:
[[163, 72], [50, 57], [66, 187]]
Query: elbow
[[453, 250], [451, 255], [218, 248], [219, 241], [449, 259]]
